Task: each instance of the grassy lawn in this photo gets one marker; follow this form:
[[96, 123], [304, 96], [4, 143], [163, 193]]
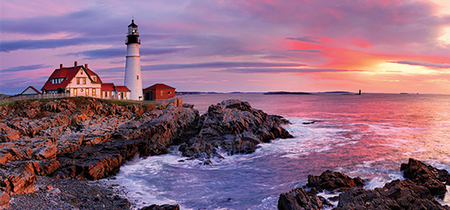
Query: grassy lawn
[[119, 102]]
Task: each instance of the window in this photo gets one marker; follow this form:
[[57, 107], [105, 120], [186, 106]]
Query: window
[[75, 92], [84, 80], [106, 94], [162, 93], [169, 92], [137, 77], [78, 80], [94, 78], [56, 81], [93, 91], [87, 91]]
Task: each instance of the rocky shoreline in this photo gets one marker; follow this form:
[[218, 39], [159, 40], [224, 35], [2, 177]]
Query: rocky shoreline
[[76, 139], [51, 153], [423, 183]]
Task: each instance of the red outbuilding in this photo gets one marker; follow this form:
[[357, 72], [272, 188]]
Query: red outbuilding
[[159, 92]]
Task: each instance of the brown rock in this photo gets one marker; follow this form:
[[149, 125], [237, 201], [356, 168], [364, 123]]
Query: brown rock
[[233, 126], [4, 200], [19, 184], [298, 199], [394, 195], [330, 181], [425, 175]]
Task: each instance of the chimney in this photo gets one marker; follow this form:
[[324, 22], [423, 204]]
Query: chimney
[[85, 65], [60, 66], [75, 64]]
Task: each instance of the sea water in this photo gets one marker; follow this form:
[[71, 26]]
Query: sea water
[[367, 135]]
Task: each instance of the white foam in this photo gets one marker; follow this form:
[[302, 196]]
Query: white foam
[[327, 195], [446, 200]]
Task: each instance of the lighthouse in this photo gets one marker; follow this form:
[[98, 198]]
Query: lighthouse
[[133, 78]]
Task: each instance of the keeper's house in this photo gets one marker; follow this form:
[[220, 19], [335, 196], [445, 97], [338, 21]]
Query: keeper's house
[[81, 81], [159, 91]]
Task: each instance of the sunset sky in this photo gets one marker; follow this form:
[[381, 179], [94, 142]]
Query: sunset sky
[[389, 46]]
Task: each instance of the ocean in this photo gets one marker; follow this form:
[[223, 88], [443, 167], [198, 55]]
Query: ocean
[[366, 135]]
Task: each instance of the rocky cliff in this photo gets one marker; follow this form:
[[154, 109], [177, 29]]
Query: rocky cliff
[[91, 138]]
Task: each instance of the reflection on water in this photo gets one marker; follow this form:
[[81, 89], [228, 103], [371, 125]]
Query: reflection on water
[[368, 136]]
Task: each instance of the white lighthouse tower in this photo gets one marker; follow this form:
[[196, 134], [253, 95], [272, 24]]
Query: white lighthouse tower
[[133, 79]]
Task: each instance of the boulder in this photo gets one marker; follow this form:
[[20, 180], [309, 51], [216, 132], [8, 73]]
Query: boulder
[[234, 127], [427, 176], [12, 183], [331, 181], [4, 200], [299, 199]]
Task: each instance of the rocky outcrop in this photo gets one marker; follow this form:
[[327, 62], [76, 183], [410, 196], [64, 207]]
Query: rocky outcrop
[[394, 195], [81, 138], [427, 176], [418, 192], [331, 181], [300, 199], [234, 127]]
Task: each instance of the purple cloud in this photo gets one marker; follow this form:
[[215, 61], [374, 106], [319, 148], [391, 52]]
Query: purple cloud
[[24, 68], [309, 51], [214, 65], [279, 70], [121, 52], [208, 65], [425, 64], [310, 39]]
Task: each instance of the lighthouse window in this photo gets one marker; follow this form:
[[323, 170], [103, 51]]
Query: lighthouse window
[[137, 77]]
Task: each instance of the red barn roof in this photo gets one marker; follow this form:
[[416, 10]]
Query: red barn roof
[[159, 86], [107, 86], [122, 89], [67, 74]]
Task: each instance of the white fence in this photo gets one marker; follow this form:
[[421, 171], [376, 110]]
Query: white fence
[[37, 96]]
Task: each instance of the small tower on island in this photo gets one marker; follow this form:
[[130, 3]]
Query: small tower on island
[[133, 78]]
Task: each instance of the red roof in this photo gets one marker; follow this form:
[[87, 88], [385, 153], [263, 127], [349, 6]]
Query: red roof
[[37, 91], [122, 89], [107, 86], [67, 73], [159, 86], [91, 73]]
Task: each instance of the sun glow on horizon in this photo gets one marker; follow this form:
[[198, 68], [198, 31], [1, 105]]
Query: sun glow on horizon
[[396, 68], [445, 38]]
